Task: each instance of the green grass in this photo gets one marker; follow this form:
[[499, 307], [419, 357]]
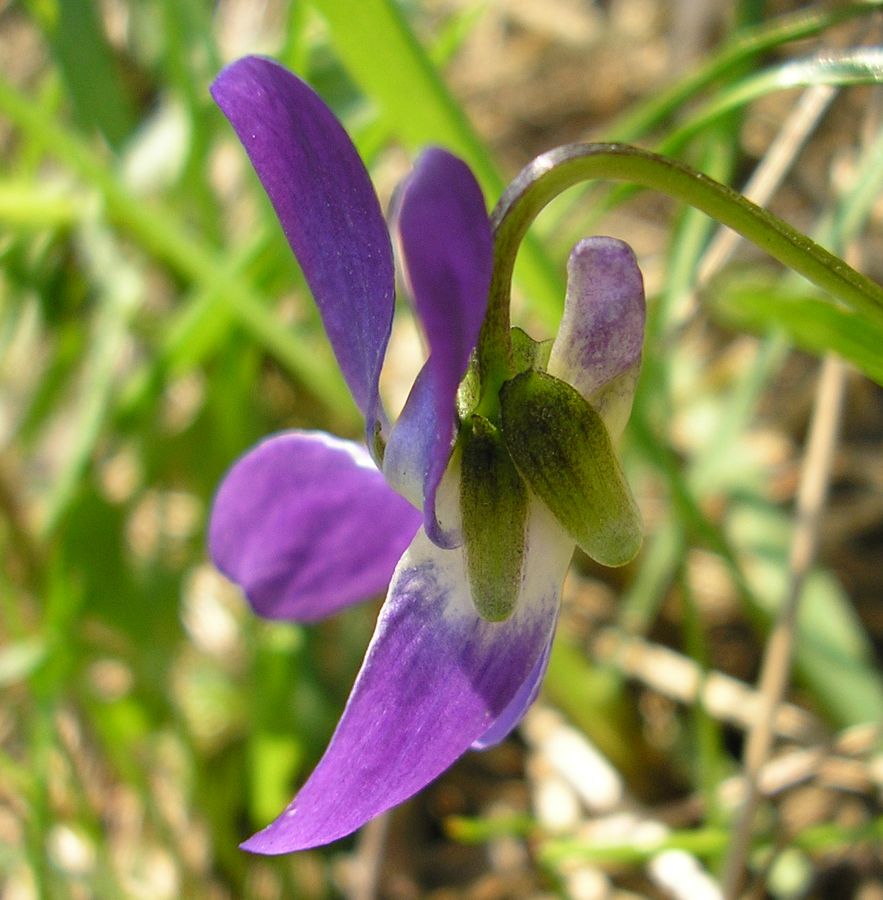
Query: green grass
[[153, 325]]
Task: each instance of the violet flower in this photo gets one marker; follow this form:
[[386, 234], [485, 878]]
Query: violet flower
[[506, 450]]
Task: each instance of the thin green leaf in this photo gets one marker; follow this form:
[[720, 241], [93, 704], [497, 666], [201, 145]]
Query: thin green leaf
[[833, 654], [740, 50], [851, 67], [811, 323], [120, 291], [704, 843], [738, 54], [90, 74], [27, 205], [161, 232]]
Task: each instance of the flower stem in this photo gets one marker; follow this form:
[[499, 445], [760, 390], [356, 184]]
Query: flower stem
[[553, 172]]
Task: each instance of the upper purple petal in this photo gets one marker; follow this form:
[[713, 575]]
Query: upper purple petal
[[446, 244], [598, 347], [306, 525], [328, 210], [435, 679]]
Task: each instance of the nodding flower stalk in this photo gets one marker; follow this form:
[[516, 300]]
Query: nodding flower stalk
[[468, 505]]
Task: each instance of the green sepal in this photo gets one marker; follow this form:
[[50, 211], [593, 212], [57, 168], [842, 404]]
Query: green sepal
[[528, 353], [493, 503], [469, 391], [562, 449]]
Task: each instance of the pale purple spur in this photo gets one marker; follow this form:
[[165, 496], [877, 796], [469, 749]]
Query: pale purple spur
[[307, 523]]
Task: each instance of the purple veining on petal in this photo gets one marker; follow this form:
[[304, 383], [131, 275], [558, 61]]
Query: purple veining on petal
[[521, 702], [435, 678], [602, 329], [328, 210], [446, 244], [306, 525]]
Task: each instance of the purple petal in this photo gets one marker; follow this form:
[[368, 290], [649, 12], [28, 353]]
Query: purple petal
[[306, 525], [445, 237], [328, 210], [435, 678], [598, 347], [415, 435], [521, 702]]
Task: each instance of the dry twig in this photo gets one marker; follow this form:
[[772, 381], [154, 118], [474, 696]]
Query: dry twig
[[776, 662]]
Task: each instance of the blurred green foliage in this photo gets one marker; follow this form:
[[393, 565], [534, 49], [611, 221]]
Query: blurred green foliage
[[153, 325]]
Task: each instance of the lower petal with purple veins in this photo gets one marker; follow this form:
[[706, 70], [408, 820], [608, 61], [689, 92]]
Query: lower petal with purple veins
[[508, 720], [306, 525], [436, 677]]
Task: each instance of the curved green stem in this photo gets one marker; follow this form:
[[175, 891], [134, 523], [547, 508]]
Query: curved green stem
[[550, 174]]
